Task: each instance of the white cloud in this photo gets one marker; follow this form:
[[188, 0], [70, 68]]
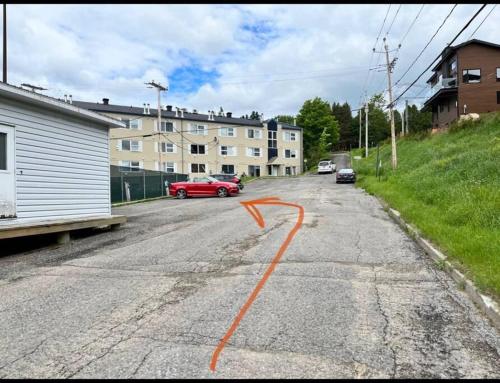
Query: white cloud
[[271, 57]]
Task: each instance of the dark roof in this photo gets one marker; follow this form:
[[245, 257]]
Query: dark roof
[[288, 126], [284, 125], [138, 111], [439, 93], [447, 52]]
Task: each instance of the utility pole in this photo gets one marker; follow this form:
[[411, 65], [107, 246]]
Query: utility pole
[[360, 125], [182, 149], [366, 129], [159, 88], [216, 140], [5, 43], [406, 116], [403, 123], [390, 66]]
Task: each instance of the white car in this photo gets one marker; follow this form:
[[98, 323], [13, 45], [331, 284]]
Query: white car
[[326, 167]]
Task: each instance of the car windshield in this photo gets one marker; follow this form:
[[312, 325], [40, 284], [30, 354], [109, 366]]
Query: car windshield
[[324, 163], [344, 171], [211, 179]]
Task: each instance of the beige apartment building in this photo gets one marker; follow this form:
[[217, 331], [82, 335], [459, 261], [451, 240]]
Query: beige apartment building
[[201, 144]]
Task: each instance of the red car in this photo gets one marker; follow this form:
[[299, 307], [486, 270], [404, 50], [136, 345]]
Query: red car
[[202, 186]]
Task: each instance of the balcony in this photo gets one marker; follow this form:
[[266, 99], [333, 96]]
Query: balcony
[[445, 83]]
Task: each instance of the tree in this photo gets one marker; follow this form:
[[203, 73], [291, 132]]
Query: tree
[[254, 115], [342, 114], [287, 119], [418, 120], [315, 117]]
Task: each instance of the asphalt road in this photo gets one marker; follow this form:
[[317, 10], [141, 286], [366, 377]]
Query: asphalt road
[[352, 297]]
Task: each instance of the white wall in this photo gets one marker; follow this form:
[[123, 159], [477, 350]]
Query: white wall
[[62, 164]]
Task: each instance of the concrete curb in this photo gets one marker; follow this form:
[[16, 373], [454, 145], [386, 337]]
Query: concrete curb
[[484, 302], [140, 201]]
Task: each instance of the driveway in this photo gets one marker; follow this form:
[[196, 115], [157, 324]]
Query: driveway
[[353, 296]]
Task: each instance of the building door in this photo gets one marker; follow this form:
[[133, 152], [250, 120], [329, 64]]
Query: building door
[[7, 175]]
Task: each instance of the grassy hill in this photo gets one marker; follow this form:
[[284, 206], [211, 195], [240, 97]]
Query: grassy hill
[[448, 186]]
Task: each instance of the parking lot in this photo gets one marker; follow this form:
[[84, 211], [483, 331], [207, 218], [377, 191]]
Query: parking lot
[[353, 296]]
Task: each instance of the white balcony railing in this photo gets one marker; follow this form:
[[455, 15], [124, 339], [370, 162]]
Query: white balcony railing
[[448, 82]]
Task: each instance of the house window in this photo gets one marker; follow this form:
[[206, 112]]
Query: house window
[[166, 126], [254, 170], [3, 151], [167, 147], [227, 150], [253, 152], [471, 76], [228, 169], [254, 133], [271, 139], [197, 149], [453, 68], [289, 153], [132, 146], [200, 130], [498, 97], [288, 170], [498, 74], [197, 168], [132, 165], [441, 108], [227, 132], [290, 136], [169, 167]]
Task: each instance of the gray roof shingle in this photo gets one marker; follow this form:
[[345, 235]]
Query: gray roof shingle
[[138, 111]]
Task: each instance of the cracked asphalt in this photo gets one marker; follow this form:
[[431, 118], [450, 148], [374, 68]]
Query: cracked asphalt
[[354, 296]]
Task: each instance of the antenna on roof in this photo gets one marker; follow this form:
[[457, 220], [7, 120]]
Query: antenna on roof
[[33, 87]]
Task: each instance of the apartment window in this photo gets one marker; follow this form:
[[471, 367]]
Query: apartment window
[[254, 170], [166, 126], [132, 146], [289, 153], [498, 74], [167, 147], [290, 136], [227, 132], [253, 152], [197, 149], [200, 130], [227, 150], [254, 133], [132, 165], [271, 139], [197, 168], [228, 169], [471, 76], [169, 167], [132, 124]]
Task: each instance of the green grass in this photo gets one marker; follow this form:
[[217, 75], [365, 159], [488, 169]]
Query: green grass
[[448, 186]]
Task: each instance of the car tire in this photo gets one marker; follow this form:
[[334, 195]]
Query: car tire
[[222, 192], [181, 194]]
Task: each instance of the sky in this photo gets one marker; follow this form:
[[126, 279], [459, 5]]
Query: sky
[[241, 57]]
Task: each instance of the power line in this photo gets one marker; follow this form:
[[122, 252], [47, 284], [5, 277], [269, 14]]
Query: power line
[[412, 23], [479, 26], [449, 44], [422, 51], [396, 15], [373, 52]]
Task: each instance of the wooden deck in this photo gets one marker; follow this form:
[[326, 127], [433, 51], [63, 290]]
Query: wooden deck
[[12, 229]]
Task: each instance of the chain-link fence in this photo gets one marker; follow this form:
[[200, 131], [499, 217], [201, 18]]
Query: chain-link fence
[[131, 185]]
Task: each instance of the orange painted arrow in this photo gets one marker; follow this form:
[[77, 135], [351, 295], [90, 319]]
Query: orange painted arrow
[[255, 213]]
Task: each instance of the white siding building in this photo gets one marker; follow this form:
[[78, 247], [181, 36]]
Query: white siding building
[[54, 158]]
